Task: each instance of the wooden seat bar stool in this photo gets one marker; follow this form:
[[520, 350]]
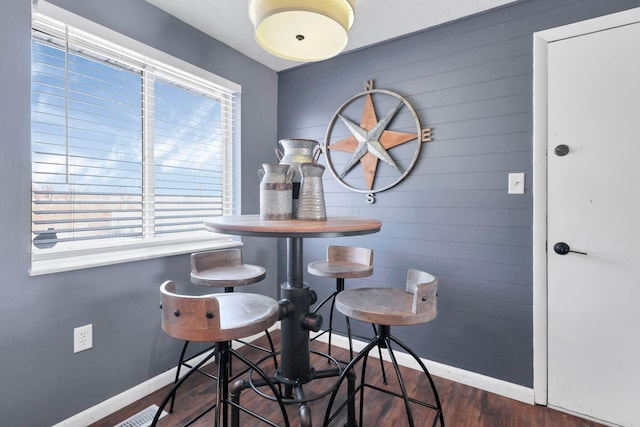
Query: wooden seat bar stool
[[225, 269], [386, 307], [219, 318], [220, 269], [343, 262]]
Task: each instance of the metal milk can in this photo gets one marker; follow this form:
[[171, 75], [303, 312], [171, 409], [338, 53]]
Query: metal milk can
[[294, 152], [275, 191], [311, 202]]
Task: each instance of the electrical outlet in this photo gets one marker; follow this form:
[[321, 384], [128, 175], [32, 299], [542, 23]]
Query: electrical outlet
[[82, 338]]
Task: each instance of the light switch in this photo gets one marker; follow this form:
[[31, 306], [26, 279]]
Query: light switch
[[516, 183]]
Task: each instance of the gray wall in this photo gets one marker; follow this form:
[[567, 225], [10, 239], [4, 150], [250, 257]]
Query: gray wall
[[472, 82], [43, 382]]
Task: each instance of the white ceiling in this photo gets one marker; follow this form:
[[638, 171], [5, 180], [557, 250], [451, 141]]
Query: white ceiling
[[376, 21]]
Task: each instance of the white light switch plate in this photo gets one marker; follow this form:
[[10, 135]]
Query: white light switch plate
[[516, 183]]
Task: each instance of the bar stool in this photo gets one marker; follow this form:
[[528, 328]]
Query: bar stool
[[221, 269], [386, 307], [224, 268], [343, 262], [219, 318]]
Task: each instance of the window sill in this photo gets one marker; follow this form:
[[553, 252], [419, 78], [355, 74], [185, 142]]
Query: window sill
[[42, 267]]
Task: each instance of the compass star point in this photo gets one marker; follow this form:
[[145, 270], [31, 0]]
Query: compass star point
[[390, 138], [348, 144]]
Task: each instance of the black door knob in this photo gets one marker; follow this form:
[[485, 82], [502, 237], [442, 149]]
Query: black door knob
[[561, 248], [561, 150]]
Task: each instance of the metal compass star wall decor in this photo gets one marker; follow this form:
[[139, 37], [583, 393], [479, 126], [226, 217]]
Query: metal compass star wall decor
[[371, 141]]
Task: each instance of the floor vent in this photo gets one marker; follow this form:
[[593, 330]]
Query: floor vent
[[142, 418]]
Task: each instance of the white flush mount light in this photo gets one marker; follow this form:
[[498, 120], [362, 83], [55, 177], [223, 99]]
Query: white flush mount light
[[302, 30]]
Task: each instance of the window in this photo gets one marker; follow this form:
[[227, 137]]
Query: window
[[127, 152]]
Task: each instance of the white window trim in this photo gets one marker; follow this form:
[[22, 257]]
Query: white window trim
[[127, 254], [133, 252], [151, 55]]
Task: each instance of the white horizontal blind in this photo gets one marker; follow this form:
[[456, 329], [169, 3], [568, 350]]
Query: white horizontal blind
[[189, 135], [123, 151]]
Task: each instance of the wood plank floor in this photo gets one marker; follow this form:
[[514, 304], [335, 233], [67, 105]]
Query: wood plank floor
[[464, 406]]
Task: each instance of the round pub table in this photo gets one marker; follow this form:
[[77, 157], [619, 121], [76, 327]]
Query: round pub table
[[295, 368]]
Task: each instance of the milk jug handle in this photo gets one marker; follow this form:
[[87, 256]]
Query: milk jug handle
[[316, 155], [279, 153]]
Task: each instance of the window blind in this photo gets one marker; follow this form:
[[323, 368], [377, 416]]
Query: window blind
[[124, 150]]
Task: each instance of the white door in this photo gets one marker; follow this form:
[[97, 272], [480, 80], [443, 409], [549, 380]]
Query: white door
[[594, 207]]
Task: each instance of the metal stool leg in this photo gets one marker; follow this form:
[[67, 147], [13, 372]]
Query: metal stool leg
[[331, 298], [182, 361], [384, 374], [339, 288], [328, 417], [437, 406], [333, 303], [384, 339], [222, 388], [175, 381], [175, 387], [350, 338], [403, 389]]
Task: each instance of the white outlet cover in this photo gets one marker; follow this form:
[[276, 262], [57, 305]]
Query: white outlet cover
[[82, 338]]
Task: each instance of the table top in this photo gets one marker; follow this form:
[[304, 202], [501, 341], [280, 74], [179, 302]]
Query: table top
[[252, 225]]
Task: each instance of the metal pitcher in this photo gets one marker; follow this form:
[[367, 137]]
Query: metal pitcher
[[311, 201], [275, 191], [295, 151]]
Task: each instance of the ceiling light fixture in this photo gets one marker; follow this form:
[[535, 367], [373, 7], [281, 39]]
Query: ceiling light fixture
[[302, 30]]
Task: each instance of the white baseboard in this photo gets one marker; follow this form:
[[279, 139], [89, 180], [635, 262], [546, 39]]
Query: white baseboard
[[483, 382], [127, 397], [119, 401]]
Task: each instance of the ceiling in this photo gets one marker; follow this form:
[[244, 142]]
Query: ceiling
[[376, 21]]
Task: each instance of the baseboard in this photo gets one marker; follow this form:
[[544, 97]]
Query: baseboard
[[483, 382], [134, 394], [121, 400]]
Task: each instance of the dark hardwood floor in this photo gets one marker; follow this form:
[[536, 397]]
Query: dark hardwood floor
[[463, 406]]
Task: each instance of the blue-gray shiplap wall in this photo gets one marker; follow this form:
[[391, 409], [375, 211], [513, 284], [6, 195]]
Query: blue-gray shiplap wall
[[471, 81]]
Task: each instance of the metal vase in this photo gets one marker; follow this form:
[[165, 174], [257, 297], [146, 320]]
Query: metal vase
[[311, 201], [294, 151], [275, 192]]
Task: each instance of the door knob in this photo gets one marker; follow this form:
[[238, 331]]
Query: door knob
[[561, 248], [561, 150]]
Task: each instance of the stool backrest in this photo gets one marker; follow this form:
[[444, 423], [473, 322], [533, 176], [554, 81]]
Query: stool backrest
[[189, 318], [201, 261], [424, 288], [350, 254]]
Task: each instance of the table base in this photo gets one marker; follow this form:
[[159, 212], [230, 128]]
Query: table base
[[294, 391]]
